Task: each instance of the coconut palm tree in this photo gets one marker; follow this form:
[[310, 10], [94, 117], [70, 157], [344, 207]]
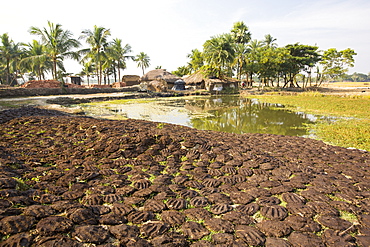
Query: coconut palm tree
[[59, 44], [98, 41], [88, 69], [196, 60], [219, 54], [253, 58], [142, 60], [118, 53], [270, 41], [240, 33], [36, 59], [10, 54]]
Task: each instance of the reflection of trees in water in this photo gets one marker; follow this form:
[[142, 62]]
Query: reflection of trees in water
[[240, 115]]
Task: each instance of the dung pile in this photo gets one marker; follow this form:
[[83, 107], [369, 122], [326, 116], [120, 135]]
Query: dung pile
[[69, 181]]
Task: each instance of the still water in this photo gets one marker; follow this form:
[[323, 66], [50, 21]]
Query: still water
[[221, 113]]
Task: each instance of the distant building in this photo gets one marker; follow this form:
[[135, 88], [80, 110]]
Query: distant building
[[76, 80]]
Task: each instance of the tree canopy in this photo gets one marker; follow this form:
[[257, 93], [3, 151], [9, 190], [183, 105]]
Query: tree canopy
[[236, 54]]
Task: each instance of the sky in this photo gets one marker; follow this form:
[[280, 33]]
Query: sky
[[167, 30]]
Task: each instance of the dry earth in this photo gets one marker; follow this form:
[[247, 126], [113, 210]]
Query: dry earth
[[76, 181]]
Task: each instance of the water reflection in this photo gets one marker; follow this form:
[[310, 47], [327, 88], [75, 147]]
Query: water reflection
[[222, 113], [241, 115]]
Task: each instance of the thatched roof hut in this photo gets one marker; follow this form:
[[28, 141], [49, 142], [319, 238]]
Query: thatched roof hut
[[160, 74], [199, 81], [196, 80], [131, 80]]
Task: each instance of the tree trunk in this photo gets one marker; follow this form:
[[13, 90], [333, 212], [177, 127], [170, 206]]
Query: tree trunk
[[119, 72]]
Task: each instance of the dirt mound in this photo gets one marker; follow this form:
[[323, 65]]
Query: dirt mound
[[119, 84], [76, 181], [42, 84]]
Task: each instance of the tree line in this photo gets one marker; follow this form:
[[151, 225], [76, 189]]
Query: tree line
[[232, 54], [235, 54], [102, 58]]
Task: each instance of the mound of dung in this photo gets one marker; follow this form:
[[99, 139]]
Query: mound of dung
[[73, 181]]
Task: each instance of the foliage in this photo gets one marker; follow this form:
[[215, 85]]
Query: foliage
[[335, 63], [181, 71], [10, 53], [143, 61], [98, 41], [59, 44], [232, 54]]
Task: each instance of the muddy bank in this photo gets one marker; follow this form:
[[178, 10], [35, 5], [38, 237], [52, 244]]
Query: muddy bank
[[67, 101], [75, 180], [25, 92]]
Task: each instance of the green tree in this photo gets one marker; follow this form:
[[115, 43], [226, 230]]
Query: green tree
[[181, 71], [87, 70], [270, 41], [10, 53], [196, 60], [119, 54], [143, 61], [36, 60], [335, 63], [219, 55], [59, 44], [251, 66], [240, 33], [302, 58], [98, 41], [270, 64]]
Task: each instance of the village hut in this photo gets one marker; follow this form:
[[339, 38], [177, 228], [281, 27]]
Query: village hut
[[131, 80], [179, 85], [196, 80], [160, 74], [199, 81]]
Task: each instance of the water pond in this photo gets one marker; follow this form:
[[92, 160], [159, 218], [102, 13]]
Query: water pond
[[220, 113]]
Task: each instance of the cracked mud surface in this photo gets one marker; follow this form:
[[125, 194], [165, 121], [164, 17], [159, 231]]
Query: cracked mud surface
[[75, 181]]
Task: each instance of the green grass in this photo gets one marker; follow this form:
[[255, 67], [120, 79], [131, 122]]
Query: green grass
[[353, 112]]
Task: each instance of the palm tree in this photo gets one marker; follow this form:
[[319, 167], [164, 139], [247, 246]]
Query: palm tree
[[253, 58], [59, 44], [270, 41], [240, 33], [196, 60], [88, 69], [10, 53], [241, 53], [142, 60], [36, 59], [98, 41], [118, 53], [219, 54]]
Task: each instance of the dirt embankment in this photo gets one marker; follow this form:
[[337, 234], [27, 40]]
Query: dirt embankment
[[6, 92]]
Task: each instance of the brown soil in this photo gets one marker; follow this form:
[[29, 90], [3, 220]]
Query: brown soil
[[76, 181]]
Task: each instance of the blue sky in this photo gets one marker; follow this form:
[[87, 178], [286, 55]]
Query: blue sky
[[167, 30]]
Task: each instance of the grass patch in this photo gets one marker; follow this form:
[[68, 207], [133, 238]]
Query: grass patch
[[349, 217], [320, 104], [347, 133], [351, 130]]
